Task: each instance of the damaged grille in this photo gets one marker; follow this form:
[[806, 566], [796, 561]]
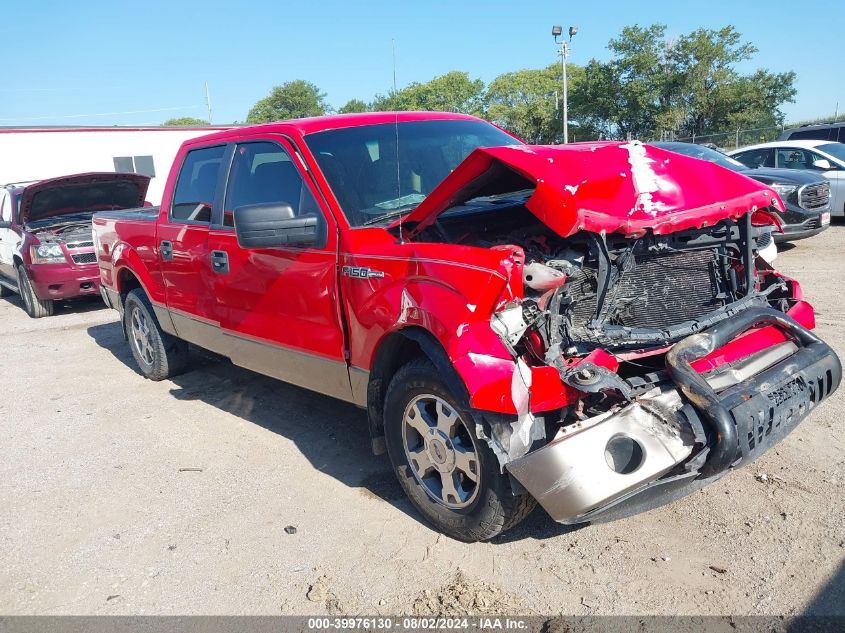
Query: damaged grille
[[660, 290]]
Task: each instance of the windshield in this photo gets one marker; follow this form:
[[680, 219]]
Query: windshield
[[703, 153], [378, 172], [837, 150]]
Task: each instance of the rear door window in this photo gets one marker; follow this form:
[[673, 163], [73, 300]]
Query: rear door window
[[196, 185], [812, 135]]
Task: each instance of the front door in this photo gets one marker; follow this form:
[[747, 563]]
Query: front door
[[182, 242], [279, 307]]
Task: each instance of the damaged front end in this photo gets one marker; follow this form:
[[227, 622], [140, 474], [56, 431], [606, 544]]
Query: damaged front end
[[679, 353]]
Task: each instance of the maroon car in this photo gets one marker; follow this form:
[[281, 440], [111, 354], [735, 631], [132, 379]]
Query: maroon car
[[46, 244]]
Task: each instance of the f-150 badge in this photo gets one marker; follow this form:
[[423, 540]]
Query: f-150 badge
[[361, 272]]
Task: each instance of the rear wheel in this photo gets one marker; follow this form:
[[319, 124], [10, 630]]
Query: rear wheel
[[452, 477], [159, 355], [35, 307]]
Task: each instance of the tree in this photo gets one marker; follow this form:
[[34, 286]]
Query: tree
[[714, 95], [186, 121], [529, 104], [291, 100], [452, 92], [624, 96], [353, 105], [523, 102], [689, 86]]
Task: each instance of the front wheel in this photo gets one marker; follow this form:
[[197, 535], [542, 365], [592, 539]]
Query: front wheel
[[159, 355], [35, 307], [452, 477]]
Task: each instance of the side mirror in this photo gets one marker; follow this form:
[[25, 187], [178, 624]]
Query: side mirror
[[5, 225], [822, 163], [273, 224]]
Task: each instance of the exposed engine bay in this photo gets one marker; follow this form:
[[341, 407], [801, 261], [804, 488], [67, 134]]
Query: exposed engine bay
[[591, 291], [604, 310], [75, 233]]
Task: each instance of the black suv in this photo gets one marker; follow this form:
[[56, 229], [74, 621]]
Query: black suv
[[805, 195], [820, 132]]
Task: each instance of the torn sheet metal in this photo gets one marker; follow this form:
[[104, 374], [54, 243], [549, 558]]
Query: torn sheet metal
[[605, 186]]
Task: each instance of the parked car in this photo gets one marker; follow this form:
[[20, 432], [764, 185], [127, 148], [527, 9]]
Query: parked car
[[587, 326], [819, 132], [806, 195], [825, 158], [46, 244]]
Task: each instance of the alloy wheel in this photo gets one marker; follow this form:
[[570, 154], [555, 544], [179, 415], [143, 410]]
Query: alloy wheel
[[441, 451], [141, 336]]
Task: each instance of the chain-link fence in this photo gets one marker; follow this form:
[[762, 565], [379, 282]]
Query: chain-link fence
[[730, 140]]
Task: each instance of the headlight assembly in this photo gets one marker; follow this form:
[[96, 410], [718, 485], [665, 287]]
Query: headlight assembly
[[47, 254], [784, 190]]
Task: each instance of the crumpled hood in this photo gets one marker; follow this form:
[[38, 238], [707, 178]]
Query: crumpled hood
[[600, 186], [82, 192]]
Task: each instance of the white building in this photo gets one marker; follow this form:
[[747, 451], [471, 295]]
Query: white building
[[37, 153]]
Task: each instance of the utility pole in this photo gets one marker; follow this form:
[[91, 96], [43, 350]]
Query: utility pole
[[208, 102], [564, 53]]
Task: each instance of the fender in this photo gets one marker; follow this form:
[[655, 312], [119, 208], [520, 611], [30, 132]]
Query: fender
[[125, 257]]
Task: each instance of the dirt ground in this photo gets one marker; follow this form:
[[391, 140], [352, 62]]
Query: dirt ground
[[224, 492]]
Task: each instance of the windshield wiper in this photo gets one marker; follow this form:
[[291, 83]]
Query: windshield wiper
[[387, 216]]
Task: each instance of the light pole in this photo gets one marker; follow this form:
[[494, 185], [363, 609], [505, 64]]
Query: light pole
[[564, 53]]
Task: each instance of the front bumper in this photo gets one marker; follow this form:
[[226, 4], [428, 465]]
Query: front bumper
[[800, 224], [680, 444], [60, 281]]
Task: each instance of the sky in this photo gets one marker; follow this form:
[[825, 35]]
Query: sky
[[135, 63]]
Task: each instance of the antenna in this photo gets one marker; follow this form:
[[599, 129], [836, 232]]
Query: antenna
[[208, 102], [393, 46], [398, 177]]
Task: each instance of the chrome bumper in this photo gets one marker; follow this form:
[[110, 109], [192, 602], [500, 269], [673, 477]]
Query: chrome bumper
[[607, 456]]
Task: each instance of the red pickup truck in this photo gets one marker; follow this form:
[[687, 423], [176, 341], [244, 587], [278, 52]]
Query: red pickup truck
[[587, 326]]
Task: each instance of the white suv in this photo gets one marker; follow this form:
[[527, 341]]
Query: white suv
[[823, 157]]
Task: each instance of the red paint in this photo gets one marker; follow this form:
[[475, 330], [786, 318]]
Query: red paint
[[593, 187], [296, 299]]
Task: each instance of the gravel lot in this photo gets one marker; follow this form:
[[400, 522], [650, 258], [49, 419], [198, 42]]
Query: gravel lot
[[121, 496]]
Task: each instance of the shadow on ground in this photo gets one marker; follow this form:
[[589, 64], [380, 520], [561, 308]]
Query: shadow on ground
[[830, 601], [69, 306], [331, 434]]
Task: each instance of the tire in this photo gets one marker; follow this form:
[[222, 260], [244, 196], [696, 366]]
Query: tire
[[35, 307], [422, 402], [158, 354], [5, 292]]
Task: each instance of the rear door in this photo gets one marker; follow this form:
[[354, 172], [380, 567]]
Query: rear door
[[279, 307], [182, 241]]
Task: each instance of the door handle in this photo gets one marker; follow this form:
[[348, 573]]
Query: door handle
[[166, 249], [220, 262]]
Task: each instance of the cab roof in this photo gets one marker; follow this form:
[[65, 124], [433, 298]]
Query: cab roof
[[332, 122]]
